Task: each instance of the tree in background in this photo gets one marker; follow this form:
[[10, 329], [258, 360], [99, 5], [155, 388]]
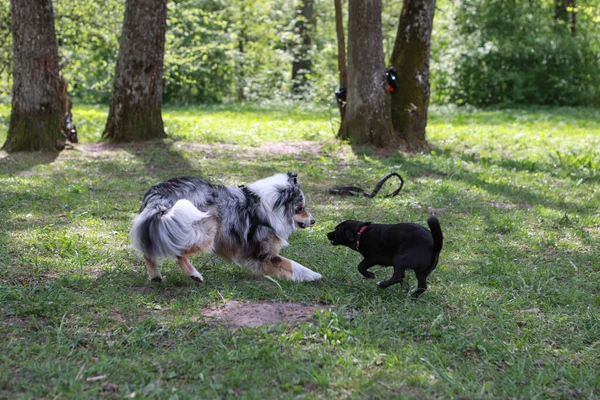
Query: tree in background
[[565, 11], [39, 94], [5, 47], [367, 119], [341, 58], [136, 101], [239, 22], [202, 64], [240, 81], [302, 63], [88, 34], [484, 52], [261, 34], [410, 59], [500, 52]]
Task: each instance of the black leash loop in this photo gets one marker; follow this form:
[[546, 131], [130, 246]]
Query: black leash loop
[[356, 191]]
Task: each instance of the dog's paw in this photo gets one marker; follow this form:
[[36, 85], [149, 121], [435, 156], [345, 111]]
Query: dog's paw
[[197, 276], [381, 285], [369, 275], [301, 274], [156, 279]]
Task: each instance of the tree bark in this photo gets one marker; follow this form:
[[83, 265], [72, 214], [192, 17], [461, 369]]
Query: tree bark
[[302, 63], [5, 43], [240, 81], [39, 94], [410, 58], [561, 12], [341, 44], [136, 101], [367, 119]]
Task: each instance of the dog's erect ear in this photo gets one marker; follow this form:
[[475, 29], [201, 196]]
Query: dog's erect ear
[[292, 177], [350, 235], [287, 195]]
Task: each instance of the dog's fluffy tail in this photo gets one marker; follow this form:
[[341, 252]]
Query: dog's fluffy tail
[[436, 232], [168, 232]]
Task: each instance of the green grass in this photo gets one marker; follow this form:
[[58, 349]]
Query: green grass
[[512, 310], [247, 124]]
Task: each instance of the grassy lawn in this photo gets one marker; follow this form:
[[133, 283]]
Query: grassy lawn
[[512, 309]]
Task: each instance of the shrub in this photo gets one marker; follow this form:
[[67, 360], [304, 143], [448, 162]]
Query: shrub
[[515, 52]]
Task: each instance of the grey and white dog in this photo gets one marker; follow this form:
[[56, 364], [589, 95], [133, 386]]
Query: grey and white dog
[[244, 225]]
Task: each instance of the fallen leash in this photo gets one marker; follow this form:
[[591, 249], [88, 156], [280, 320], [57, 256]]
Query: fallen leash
[[356, 191]]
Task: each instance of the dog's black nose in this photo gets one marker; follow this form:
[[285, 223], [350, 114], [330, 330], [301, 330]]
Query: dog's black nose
[[312, 221]]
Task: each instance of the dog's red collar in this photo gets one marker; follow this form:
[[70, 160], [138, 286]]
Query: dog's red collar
[[361, 230]]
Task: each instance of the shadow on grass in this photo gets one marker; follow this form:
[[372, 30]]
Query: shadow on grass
[[115, 196], [416, 167], [20, 162], [160, 158]]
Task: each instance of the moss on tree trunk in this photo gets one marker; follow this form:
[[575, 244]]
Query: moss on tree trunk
[[410, 58], [34, 131]]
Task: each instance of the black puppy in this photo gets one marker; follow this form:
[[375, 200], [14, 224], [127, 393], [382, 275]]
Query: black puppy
[[404, 246]]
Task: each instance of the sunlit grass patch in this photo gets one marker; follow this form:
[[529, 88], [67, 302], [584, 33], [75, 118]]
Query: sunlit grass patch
[[247, 125]]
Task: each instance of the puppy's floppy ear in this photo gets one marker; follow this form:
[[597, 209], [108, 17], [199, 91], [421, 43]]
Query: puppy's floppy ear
[[350, 235], [292, 177]]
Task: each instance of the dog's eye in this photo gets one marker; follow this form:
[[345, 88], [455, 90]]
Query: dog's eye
[[300, 210]]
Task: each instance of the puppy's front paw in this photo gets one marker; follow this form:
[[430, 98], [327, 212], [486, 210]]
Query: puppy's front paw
[[369, 275], [417, 293]]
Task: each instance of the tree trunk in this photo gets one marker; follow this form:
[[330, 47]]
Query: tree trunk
[[136, 101], [561, 12], [39, 96], [410, 58], [5, 45], [367, 119], [240, 80], [302, 63], [341, 44]]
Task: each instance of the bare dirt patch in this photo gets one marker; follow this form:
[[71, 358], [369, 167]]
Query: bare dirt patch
[[502, 205], [237, 314], [283, 148], [507, 206], [296, 147]]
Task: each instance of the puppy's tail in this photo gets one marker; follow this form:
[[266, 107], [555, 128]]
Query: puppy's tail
[[168, 232], [436, 232]]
